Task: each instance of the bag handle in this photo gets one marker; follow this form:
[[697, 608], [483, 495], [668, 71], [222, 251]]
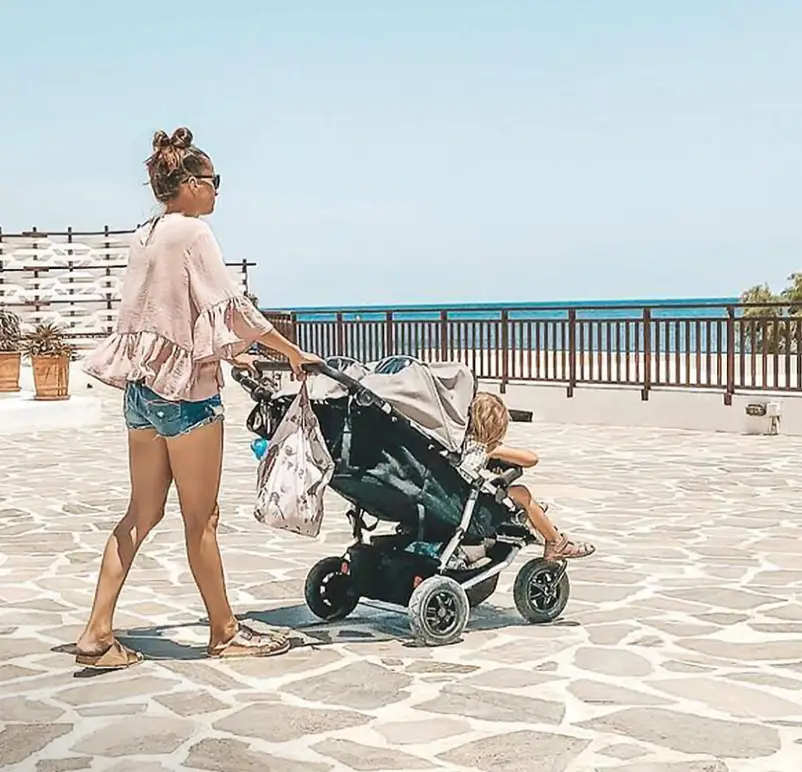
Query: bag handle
[[308, 417]]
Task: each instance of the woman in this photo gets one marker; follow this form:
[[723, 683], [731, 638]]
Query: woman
[[181, 314]]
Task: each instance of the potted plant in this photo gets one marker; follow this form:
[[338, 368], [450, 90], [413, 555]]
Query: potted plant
[[50, 353], [10, 354]]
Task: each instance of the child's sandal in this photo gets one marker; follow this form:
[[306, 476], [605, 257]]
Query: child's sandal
[[567, 550]]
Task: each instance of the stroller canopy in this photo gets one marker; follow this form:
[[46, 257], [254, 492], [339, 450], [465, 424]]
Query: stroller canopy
[[435, 397]]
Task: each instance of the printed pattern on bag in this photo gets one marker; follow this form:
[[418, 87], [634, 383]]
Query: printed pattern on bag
[[294, 473]]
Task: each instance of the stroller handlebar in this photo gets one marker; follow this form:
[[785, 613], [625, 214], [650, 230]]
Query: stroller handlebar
[[240, 375], [263, 366], [363, 396], [259, 391], [321, 368]]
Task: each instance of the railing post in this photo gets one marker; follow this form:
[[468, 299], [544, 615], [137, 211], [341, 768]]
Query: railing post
[[244, 271], [571, 351], [36, 307], [647, 354], [109, 301], [389, 343], [730, 386], [505, 350], [443, 335], [339, 331]]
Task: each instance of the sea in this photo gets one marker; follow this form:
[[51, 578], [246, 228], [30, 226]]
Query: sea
[[683, 308], [678, 325]]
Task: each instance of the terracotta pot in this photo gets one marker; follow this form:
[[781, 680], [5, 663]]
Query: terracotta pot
[[9, 371], [51, 377]]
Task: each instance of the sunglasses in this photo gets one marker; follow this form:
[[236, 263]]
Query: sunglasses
[[214, 178]]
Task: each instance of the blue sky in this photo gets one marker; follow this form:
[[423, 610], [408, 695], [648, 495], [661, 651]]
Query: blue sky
[[427, 150]]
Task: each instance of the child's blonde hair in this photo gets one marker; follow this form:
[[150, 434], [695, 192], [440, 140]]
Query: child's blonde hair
[[489, 420]]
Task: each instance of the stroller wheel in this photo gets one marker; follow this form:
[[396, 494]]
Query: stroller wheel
[[438, 611], [541, 591], [329, 593]]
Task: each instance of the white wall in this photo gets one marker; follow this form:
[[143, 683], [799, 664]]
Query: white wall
[[698, 410], [20, 413]]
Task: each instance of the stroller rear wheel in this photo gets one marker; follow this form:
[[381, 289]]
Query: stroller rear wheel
[[541, 591], [329, 593], [438, 611]]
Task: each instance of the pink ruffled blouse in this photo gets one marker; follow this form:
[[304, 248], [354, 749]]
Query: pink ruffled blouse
[[181, 313]]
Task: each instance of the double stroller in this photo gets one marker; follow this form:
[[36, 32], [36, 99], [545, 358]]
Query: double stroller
[[395, 433]]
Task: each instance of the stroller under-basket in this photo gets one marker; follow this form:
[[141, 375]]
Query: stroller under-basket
[[395, 435]]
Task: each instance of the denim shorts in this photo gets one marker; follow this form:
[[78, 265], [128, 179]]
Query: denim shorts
[[144, 409]]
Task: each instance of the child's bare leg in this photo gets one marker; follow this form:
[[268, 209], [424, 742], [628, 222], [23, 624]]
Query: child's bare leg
[[558, 547], [521, 496]]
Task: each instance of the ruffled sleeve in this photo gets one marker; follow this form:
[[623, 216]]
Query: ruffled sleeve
[[224, 330], [227, 322]]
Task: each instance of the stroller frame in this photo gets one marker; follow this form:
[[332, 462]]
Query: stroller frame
[[437, 594]]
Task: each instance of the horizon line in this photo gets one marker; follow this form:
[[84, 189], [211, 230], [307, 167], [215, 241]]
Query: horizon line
[[708, 301]]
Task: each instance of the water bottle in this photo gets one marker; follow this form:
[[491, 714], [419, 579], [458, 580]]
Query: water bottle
[[259, 448]]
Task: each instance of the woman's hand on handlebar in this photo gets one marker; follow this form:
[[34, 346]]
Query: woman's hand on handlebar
[[296, 357], [300, 358], [246, 362], [277, 342]]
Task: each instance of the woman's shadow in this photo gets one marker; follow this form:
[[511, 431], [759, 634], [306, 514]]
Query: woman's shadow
[[369, 623]]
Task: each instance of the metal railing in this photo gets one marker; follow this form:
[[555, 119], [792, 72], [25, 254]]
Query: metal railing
[[725, 347]]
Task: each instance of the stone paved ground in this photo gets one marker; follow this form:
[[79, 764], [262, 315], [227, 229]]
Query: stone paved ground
[[680, 651]]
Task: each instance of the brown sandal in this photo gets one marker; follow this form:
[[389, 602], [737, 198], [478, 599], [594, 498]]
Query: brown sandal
[[116, 657], [566, 550], [248, 643]]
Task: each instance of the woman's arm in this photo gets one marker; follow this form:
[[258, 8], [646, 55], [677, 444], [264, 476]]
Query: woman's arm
[[275, 341], [225, 312], [272, 340], [524, 458], [298, 358]]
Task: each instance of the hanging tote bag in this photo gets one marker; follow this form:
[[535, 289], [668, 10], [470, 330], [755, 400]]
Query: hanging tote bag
[[294, 472]]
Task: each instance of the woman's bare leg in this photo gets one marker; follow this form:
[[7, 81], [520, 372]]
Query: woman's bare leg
[[521, 496], [196, 460], [149, 469]]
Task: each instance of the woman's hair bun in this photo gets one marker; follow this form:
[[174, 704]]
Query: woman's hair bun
[[161, 141], [173, 161], [182, 138]]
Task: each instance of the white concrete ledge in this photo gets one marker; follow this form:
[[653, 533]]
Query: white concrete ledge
[[20, 413], [695, 410]]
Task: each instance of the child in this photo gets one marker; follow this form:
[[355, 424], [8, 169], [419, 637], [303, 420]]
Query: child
[[487, 428]]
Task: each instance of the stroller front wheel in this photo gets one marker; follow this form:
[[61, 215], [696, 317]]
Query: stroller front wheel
[[438, 611], [541, 591], [329, 593]]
